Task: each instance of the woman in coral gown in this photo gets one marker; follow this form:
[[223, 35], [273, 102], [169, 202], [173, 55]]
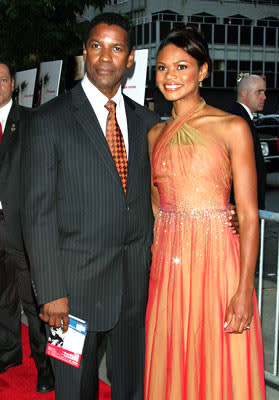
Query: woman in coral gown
[[203, 331]]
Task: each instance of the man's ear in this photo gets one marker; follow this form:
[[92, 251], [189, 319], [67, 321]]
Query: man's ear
[[130, 60], [13, 84], [243, 94]]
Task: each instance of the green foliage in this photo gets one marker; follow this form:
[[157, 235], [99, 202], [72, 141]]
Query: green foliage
[[32, 31]]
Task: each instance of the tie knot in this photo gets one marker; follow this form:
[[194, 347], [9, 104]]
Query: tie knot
[[110, 106]]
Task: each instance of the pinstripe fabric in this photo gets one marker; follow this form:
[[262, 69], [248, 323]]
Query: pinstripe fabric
[[85, 238]]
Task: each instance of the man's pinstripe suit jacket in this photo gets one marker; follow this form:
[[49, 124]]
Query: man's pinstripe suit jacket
[[84, 237]]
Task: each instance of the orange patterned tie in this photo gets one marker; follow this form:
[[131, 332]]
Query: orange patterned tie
[[116, 144]]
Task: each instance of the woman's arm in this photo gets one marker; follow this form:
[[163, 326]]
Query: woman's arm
[[240, 309], [155, 199]]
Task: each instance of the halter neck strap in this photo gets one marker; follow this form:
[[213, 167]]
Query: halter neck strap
[[168, 133], [189, 113]]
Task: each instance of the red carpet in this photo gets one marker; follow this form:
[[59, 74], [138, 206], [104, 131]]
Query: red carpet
[[19, 383]]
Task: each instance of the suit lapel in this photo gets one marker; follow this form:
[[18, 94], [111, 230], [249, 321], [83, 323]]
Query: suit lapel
[[134, 124], [87, 119], [244, 112], [11, 129], [247, 118]]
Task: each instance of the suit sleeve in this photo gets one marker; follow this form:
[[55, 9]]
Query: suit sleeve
[[39, 166]]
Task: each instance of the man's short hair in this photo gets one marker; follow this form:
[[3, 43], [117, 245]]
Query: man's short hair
[[113, 19], [8, 65], [244, 82]]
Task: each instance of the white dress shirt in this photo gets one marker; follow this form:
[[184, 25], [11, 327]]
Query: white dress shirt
[[98, 101], [4, 113]]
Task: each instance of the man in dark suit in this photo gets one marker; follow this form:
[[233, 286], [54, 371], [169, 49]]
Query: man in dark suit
[[15, 280], [88, 237], [250, 98]]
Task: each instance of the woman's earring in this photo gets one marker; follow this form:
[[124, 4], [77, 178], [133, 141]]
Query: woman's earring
[[200, 83]]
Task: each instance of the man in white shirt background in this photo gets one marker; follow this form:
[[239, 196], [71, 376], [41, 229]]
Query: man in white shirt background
[[15, 281], [251, 98]]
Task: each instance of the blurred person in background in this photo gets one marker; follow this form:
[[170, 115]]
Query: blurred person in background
[[250, 99], [15, 281]]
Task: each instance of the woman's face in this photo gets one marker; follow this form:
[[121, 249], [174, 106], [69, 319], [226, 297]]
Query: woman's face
[[178, 73]]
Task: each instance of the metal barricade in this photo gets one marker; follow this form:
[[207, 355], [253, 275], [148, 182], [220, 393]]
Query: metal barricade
[[270, 377]]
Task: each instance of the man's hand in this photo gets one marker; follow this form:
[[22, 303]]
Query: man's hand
[[233, 220], [55, 312]]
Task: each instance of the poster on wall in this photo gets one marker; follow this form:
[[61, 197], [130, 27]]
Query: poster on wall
[[24, 87], [48, 82], [134, 79], [79, 68]]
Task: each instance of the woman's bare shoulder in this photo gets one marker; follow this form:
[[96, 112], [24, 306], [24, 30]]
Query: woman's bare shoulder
[[222, 115], [232, 129], [222, 119]]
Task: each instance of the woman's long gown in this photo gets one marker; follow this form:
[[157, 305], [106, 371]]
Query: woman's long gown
[[194, 274]]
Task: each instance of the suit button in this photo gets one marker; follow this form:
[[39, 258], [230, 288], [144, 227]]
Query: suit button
[[128, 208]]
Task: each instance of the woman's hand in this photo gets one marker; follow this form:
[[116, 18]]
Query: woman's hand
[[233, 220], [240, 312]]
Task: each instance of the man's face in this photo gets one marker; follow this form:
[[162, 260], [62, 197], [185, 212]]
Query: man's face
[[6, 85], [106, 56], [255, 96]]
